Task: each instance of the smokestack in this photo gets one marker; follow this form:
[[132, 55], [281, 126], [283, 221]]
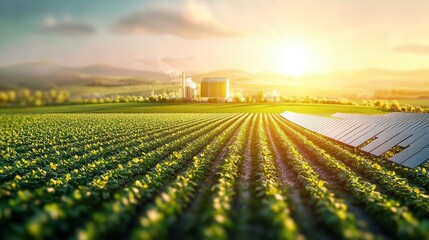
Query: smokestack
[[183, 85]]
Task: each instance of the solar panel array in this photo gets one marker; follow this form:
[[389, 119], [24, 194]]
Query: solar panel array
[[406, 130]]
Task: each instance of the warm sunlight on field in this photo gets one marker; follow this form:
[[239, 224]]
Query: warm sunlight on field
[[294, 58], [203, 119]]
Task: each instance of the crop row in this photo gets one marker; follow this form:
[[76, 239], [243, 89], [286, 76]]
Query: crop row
[[388, 180], [202, 176], [122, 170], [389, 211], [333, 211]]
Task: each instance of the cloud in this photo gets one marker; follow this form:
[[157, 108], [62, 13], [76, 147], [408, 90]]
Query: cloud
[[192, 20], [417, 49], [66, 27]]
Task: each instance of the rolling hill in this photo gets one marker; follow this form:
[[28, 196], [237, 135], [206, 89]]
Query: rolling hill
[[341, 83], [45, 74]]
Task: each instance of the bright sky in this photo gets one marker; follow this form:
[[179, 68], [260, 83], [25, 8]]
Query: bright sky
[[292, 37]]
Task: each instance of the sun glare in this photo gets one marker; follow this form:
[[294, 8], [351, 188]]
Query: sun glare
[[294, 59]]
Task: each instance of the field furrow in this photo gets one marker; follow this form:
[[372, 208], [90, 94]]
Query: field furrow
[[198, 176]]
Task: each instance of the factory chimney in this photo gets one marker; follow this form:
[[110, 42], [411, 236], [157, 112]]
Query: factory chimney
[[183, 85]]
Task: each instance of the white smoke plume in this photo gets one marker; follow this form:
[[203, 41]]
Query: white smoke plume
[[168, 69], [190, 83]]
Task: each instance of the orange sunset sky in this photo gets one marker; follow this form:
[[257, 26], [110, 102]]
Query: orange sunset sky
[[290, 37]]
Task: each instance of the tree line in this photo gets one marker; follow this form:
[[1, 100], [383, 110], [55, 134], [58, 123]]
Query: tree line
[[28, 97]]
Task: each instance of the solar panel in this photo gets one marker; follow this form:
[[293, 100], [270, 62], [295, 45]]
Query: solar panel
[[328, 127], [416, 136], [340, 128], [341, 124], [390, 130], [368, 135], [391, 143], [382, 138], [356, 133], [412, 149], [371, 126], [344, 130], [351, 132], [417, 159]]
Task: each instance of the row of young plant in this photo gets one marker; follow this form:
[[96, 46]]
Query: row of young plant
[[246, 205], [61, 215], [98, 139], [159, 215], [45, 131], [388, 181], [35, 162], [269, 190], [71, 134], [418, 176], [388, 211], [120, 210], [59, 167], [68, 135], [62, 147], [36, 172], [217, 215], [74, 139], [61, 190], [332, 211]]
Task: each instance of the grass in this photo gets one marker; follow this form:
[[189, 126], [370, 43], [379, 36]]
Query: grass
[[319, 109]]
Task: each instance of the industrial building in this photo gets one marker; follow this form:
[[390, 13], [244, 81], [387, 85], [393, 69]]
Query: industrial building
[[189, 88], [215, 88]]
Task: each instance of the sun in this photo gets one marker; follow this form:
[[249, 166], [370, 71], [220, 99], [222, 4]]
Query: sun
[[294, 59]]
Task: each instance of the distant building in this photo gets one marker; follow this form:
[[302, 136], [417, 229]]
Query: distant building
[[215, 88], [189, 88], [190, 92], [272, 97]]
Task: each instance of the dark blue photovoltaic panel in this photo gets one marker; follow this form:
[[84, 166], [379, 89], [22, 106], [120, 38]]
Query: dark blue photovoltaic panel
[[417, 159], [407, 130]]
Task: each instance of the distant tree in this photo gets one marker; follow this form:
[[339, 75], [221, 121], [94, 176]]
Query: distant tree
[[4, 98], [38, 98], [395, 106], [410, 108], [377, 103], [25, 96], [53, 93], [385, 105], [307, 99], [62, 97], [419, 110], [261, 96], [236, 98], [38, 102], [12, 95], [249, 99]]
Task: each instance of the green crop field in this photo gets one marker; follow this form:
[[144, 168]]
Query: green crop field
[[323, 109], [197, 176]]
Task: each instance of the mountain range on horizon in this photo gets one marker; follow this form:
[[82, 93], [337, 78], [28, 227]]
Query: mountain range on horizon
[[46, 74]]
